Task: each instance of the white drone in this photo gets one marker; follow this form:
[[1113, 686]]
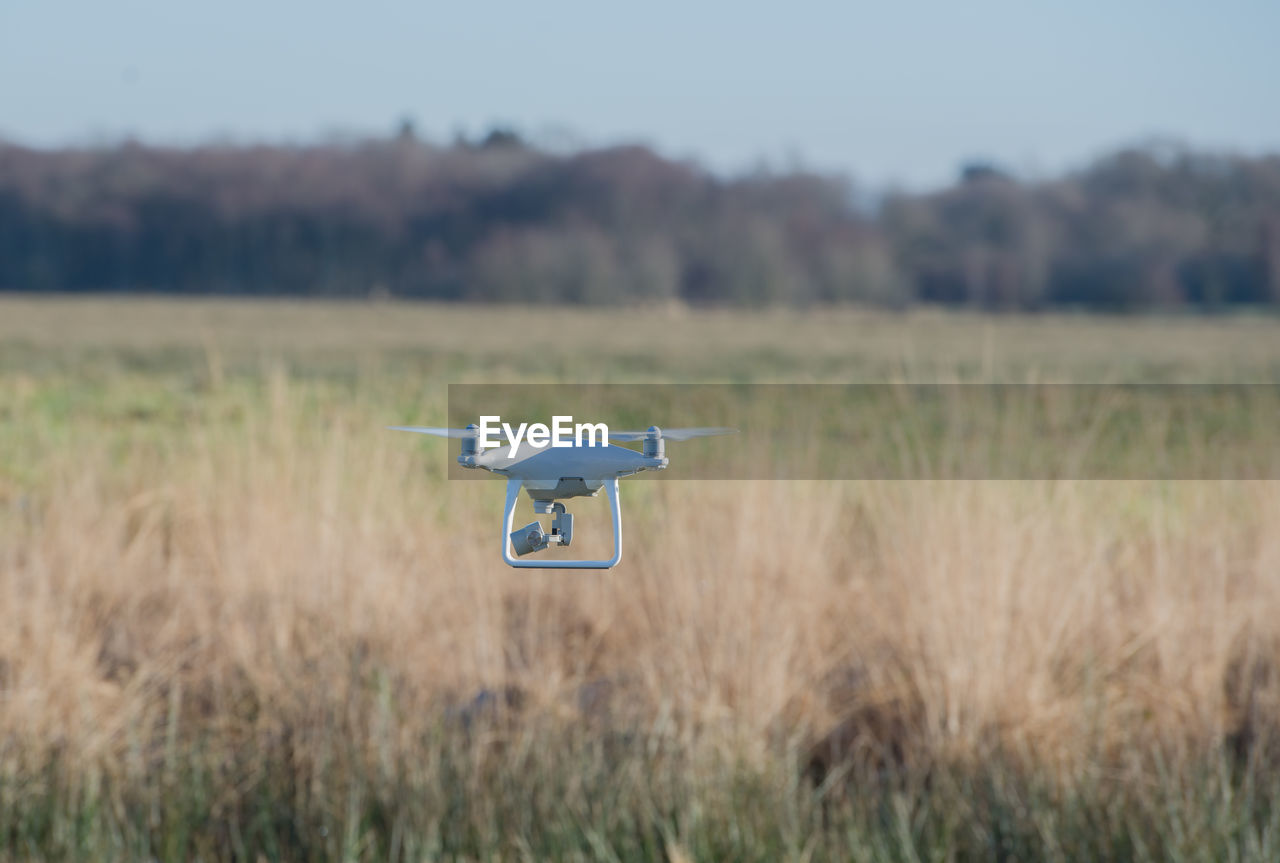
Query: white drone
[[551, 474]]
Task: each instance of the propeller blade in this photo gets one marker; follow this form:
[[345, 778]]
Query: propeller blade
[[704, 431], [672, 434], [438, 432], [626, 436]]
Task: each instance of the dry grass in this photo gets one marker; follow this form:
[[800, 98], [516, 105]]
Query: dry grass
[[238, 572]]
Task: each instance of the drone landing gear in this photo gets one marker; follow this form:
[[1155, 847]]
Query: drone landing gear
[[531, 538]]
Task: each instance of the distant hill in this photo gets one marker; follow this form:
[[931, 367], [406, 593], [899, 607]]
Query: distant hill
[[500, 220]]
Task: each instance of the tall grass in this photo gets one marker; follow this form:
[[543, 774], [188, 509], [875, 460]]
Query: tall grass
[[241, 620]]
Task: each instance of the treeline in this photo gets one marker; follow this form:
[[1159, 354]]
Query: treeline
[[500, 220]]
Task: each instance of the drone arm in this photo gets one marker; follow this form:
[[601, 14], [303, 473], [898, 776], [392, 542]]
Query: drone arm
[[513, 496]]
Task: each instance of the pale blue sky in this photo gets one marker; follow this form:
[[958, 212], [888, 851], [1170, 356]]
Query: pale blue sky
[[886, 92]]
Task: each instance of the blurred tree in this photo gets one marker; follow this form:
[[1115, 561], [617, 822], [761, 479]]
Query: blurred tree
[[502, 220]]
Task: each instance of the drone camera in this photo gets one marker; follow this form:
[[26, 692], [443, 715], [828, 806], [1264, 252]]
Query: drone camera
[[528, 539], [531, 537], [562, 526]]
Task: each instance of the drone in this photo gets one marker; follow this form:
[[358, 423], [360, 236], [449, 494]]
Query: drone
[[552, 474]]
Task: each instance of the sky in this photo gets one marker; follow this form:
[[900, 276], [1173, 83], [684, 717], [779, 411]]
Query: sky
[[889, 93]]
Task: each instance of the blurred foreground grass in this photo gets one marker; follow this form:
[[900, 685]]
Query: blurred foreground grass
[[243, 621]]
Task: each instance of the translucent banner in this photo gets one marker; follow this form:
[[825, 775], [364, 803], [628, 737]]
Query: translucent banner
[[906, 431]]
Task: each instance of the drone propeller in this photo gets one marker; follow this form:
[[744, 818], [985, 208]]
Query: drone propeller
[[671, 434], [623, 436], [438, 432]]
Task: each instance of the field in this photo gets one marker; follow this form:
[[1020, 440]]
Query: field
[[241, 619]]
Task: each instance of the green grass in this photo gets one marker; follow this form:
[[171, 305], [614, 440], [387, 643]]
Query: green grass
[[572, 793]]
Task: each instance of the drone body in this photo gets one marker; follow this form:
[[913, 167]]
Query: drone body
[[552, 474]]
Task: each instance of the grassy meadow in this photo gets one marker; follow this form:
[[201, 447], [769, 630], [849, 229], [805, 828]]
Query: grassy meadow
[[242, 620]]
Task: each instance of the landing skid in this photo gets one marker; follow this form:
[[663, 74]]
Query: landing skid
[[513, 495]]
